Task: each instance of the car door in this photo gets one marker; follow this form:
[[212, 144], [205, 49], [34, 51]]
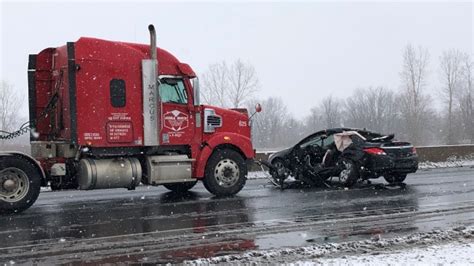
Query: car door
[[312, 147]]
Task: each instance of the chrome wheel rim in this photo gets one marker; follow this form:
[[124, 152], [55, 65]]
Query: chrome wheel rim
[[14, 184], [227, 173]]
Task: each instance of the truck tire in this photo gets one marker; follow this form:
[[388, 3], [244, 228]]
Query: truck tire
[[349, 174], [20, 183], [226, 173], [180, 187], [395, 178]]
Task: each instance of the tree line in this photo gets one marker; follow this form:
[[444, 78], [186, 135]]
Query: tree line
[[408, 112]]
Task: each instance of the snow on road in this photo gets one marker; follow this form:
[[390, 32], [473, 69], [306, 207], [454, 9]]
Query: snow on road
[[435, 247], [446, 254]]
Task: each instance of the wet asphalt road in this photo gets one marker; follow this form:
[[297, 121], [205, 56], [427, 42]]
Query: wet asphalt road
[[155, 226]]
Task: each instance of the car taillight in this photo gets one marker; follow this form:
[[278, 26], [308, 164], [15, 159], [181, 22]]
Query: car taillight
[[375, 151], [413, 150]]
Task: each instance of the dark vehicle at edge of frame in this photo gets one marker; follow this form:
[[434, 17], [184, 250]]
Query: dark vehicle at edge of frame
[[348, 153]]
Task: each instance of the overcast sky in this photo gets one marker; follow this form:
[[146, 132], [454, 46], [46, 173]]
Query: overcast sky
[[302, 51]]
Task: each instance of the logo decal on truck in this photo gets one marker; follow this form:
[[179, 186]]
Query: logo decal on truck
[[175, 120]]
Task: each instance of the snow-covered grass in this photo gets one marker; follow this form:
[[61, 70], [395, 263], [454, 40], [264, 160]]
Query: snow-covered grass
[[456, 245], [451, 162]]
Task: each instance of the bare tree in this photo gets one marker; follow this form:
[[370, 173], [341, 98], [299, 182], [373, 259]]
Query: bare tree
[[466, 96], [215, 85], [326, 114], [331, 109], [229, 86], [268, 127], [243, 82], [314, 121], [450, 63], [372, 108], [414, 103], [10, 102], [294, 130]]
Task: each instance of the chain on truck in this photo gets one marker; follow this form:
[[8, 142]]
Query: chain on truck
[[107, 114]]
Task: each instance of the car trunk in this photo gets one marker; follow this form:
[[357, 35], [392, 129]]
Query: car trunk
[[398, 149]]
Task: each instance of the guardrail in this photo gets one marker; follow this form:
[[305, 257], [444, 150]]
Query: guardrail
[[443, 153], [425, 153]]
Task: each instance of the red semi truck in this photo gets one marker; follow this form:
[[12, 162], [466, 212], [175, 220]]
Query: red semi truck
[[107, 114]]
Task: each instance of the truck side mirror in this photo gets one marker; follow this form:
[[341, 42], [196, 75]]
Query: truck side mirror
[[197, 93], [258, 109]]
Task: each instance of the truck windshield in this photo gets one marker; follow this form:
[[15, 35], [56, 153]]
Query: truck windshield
[[173, 91]]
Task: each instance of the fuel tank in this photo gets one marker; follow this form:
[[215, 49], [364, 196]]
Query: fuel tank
[[109, 173]]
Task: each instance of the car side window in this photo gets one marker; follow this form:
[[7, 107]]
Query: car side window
[[314, 141], [328, 141], [173, 91]]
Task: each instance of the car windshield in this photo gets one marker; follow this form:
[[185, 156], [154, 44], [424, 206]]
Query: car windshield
[[313, 141], [318, 140]]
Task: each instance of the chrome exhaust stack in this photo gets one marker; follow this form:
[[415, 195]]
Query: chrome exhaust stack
[[151, 28], [151, 99]]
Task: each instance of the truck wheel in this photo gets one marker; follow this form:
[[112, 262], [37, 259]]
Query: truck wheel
[[20, 184], [226, 173], [349, 174], [395, 178], [180, 187]]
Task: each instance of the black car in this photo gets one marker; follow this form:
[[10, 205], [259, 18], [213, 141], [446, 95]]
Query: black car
[[347, 153]]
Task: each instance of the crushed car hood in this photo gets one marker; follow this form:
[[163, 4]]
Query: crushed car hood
[[281, 153]]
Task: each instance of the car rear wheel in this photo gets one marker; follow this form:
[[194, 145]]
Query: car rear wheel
[[395, 178], [349, 174], [180, 187], [226, 173]]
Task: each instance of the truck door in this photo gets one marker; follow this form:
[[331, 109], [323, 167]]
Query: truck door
[[177, 122]]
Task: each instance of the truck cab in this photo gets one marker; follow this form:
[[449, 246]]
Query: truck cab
[[108, 114]]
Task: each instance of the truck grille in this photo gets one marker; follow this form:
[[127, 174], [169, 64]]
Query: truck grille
[[211, 121], [214, 121]]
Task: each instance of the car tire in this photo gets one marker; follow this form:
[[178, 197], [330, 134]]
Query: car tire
[[395, 178], [282, 172], [226, 173], [20, 184], [180, 187], [349, 174]]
